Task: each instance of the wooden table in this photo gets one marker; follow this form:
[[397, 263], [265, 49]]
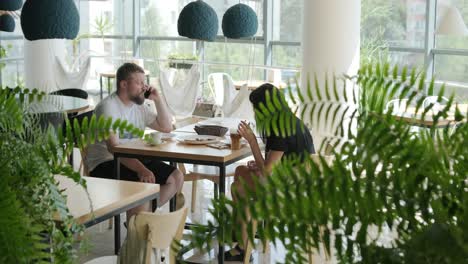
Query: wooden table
[[254, 84], [109, 198], [427, 122], [175, 152], [414, 118], [111, 75]]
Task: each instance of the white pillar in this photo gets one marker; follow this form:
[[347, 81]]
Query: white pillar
[[40, 62], [330, 44]]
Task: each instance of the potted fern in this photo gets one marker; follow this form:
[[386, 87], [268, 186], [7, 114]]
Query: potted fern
[[391, 195], [36, 225]]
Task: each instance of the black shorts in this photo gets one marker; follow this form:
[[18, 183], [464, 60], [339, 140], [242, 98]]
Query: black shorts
[[160, 170]]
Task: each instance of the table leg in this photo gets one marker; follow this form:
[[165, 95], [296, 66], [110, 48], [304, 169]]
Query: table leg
[[216, 190], [173, 201], [117, 217], [222, 190], [100, 82]]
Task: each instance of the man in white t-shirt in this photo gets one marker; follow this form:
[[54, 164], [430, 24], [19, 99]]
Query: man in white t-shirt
[[128, 103]]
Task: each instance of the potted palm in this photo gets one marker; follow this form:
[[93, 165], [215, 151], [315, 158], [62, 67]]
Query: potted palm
[[36, 225], [391, 194]]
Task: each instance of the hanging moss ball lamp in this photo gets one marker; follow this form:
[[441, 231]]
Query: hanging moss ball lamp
[[240, 21], [50, 19], [7, 23], [198, 20], [10, 5]]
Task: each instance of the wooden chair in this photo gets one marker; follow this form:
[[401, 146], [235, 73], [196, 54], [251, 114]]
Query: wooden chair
[[159, 230], [83, 168], [204, 173]]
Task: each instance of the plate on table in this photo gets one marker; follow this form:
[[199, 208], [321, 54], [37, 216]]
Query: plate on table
[[198, 139], [166, 136]]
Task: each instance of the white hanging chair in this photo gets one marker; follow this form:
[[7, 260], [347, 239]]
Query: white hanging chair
[[233, 104], [180, 89], [76, 78]]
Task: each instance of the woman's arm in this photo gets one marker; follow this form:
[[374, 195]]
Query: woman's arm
[[272, 156]]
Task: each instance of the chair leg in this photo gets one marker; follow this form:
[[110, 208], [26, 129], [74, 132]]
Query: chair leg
[[249, 246], [248, 252], [194, 196]]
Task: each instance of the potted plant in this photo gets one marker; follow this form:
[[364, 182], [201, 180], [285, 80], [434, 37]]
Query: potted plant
[[180, 60], [36, 225], [391, 195]]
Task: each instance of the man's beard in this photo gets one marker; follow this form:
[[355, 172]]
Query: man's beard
[[139, 99]]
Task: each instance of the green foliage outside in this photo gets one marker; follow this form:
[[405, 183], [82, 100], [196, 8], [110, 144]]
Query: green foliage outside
[[390, 195], [4, 54]]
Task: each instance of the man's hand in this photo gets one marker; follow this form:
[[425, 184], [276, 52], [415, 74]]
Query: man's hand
[[146, 176], [154, 95]]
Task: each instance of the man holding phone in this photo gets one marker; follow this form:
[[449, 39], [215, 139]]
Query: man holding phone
[[128, 103]]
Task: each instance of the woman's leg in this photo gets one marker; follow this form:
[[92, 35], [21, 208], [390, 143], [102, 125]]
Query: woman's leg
[[243, 178]]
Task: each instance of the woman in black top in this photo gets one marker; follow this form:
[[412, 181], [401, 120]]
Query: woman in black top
[[276, 149]]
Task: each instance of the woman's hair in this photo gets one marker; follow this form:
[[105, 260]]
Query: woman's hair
[[259, 95]]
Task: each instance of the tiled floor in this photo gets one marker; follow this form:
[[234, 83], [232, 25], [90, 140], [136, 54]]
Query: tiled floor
[[99, 240]]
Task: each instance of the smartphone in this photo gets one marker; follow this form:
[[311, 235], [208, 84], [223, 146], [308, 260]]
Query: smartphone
[[147, 93]]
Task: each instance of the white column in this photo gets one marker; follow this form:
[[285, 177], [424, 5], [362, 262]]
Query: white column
[[330, 44], [40, 62]]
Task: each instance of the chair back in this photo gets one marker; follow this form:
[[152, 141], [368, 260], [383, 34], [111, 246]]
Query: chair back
[[398, 106], [80, 119], [437, 104], [160, 230], [83, 165], [73, 92]]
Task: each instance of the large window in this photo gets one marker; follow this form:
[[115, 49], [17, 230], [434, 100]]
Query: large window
[[113, 31], [452, 42], [236, 59], [287, 20], [156, 53], [159, 17], [451, 53], [393, 22], [287, 56]]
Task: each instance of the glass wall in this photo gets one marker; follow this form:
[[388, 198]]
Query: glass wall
[[114, 31], [452, 42]]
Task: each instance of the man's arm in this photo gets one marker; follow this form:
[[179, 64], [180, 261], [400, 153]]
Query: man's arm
[[135, 165], [163, 121]]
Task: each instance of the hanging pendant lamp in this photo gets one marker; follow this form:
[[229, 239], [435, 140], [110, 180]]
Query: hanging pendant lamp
[[50, 19], [10, 5], [198, 20], [240, 21], [7, 23]]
